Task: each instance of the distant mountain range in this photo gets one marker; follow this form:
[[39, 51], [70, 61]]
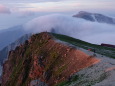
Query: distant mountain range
[[95, 17], [10, 35]]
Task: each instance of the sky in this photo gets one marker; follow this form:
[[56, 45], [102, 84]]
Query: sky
[[16, 12]]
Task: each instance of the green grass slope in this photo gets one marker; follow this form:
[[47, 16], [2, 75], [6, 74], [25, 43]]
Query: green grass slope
[[107, 51]]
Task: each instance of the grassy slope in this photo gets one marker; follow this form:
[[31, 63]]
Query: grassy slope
[[110, 52]]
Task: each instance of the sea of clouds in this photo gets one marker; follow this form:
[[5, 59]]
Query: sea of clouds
[[92, 32]]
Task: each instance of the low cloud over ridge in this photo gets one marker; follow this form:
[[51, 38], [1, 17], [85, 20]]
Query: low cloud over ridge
[[92, 32]]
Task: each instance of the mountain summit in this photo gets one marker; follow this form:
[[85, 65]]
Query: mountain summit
[[43, 61], [95, 17]]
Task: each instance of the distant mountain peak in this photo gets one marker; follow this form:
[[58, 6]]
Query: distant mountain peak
[[95, 17], [84, 12]]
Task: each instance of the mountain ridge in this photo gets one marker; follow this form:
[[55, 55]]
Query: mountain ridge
[[49, 63], [95, 17]]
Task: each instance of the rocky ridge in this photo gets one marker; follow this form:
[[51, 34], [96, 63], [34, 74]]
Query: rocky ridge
[[95, 17], [43, 61]]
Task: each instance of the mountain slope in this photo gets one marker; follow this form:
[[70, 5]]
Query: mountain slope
[[5, 51], [95, 17], [106, 51], [43, 61]]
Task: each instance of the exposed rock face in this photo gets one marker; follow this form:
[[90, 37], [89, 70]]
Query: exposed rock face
[[95, 17], [44, 62], [5, 51]]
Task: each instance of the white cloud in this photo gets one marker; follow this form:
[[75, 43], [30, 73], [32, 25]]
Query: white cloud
[[4, 9], [88, 31]]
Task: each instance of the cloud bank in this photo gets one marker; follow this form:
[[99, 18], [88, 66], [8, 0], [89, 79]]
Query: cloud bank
[[4, 9], [92, 32]]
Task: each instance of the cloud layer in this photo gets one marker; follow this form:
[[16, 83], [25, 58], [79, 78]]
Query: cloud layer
[[88, 31], [4, 9]]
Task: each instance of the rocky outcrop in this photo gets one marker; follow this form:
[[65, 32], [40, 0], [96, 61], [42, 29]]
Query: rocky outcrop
[[95, 17], [43, 61]]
